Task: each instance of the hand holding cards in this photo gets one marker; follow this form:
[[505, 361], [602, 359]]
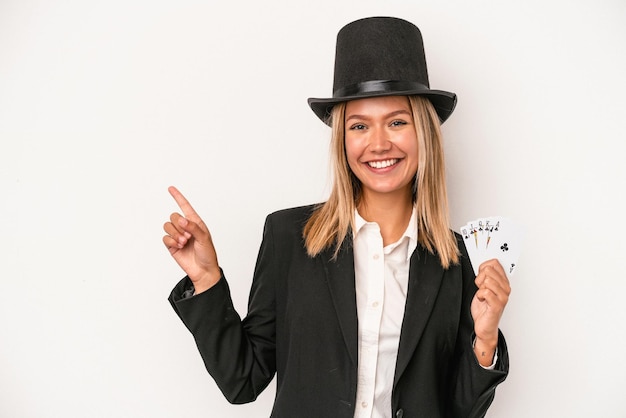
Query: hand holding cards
[[493, 237]]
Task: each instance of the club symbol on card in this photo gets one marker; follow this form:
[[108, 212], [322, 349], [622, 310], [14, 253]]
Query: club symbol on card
[[504, 247], [512, 267]]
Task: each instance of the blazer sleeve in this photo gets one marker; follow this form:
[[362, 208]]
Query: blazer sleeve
[[475, 386], [238, 354]]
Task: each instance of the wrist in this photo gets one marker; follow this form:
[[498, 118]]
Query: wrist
[[206, 281], [485, 350], [486, 342]]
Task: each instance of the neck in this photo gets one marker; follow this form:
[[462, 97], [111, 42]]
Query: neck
[[392, 213]]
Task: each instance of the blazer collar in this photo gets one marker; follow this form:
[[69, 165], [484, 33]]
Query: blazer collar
[[425, 277], [340, 279]]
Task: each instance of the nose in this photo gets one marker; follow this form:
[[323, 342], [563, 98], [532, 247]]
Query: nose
[[379, 140]]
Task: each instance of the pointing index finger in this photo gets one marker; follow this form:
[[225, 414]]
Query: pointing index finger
[[183, 203]]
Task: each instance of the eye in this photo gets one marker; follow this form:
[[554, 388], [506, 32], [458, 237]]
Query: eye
[[357, 127], [397, 122]]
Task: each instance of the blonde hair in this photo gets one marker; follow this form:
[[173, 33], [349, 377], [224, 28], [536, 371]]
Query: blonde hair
[[330, 222]]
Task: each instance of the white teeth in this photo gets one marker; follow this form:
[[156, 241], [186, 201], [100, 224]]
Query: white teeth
[[382, 164]]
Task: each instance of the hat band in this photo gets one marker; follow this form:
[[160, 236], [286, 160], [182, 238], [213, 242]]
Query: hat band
[[378, 86]]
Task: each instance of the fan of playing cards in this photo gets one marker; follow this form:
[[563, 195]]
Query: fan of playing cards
[[493, 237]]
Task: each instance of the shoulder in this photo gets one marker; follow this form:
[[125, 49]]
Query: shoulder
[[284, 228], [298, 215], [465, 261], [289, 221], [460, 243]]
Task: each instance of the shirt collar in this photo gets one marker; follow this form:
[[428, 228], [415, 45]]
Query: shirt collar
[[410, 232]]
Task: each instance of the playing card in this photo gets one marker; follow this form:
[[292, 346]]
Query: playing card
[[470, 237], [493, 237], [506, 244]]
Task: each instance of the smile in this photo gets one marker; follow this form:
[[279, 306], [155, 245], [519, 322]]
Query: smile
[[383, 164]]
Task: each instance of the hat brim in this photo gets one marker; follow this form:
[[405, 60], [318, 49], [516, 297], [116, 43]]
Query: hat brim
[[444, 102]]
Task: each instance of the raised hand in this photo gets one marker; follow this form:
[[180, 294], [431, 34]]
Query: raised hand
[[189, 242], [487, 307]]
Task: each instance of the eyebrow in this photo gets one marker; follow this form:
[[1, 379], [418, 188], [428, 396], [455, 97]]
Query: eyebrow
[[389, 115]]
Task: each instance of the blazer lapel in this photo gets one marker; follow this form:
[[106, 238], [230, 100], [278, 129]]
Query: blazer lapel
[[340, 279], [425, 275]]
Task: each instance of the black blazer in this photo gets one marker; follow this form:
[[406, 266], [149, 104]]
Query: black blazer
[[302, 325]]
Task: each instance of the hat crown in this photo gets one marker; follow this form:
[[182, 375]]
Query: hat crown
[[379, 49], [381, 56]]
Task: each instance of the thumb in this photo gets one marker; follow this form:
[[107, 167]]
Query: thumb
[[193, 229]]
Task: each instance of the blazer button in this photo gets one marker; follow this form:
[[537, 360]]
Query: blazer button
[[399, 413]]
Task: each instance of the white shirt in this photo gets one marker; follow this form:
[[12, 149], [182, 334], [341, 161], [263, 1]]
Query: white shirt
[[381, 279]]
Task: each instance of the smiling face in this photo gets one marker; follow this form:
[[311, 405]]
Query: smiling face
[[381, 145]]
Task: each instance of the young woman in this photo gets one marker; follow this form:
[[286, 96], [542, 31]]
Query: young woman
[[366, 305]]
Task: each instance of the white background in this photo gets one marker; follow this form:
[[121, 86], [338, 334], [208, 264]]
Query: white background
[[105, 104]]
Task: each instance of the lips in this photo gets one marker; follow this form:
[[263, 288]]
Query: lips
[[383, 163]]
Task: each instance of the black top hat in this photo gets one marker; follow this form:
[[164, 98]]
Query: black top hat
[[381, 56]]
